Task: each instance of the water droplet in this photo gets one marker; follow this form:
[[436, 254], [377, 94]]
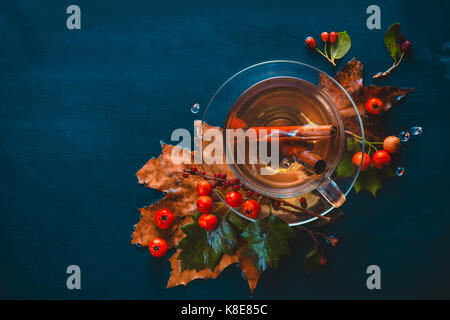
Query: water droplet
[[404, 136], [399, 171], [195, 108], [285, 163], [416, 130], [399, 98]]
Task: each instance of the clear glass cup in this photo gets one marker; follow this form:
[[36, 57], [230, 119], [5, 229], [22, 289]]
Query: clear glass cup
[[232, 99]]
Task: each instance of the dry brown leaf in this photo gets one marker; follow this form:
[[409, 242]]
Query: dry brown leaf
[[180, 198], [350, 77], [246, 264]]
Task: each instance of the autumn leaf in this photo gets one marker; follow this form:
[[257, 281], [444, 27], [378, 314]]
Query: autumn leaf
[[180, 197], [350, 77], [245, 263], [201, 248], [267, 239]]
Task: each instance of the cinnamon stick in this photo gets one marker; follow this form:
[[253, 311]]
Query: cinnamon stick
[[310, 160], [299, 131]]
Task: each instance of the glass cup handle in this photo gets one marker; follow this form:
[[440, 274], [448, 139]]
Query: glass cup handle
[[331, 192]]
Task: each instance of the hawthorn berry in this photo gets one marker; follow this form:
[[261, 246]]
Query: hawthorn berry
[[256, 194], [333, 36], [310, 42], [157, 247], [374, 106], [325, 37], [217, 175], [406, 46], [251, 208], [323, 261], [208, 221], [234, 199], [164, 218], [203, 188], [356, 160], [276, 204], [213, 184], [223, 175], [185, 175], [203, 172], [235, 181], [303, 202], [391, 144], [194, 169], [236, 187], [204, 204], [249, 193], [381, 158]]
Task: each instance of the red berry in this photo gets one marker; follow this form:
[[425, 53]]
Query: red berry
[[251, 208], [194, 169], [234, 199], [227, 184], [303, 202], [157, 247], [203, 172], [381, 158], [204, 204], [374, 106], [333, 36], [323, 260], [236, 187], [235, 181], [203, 188], [406, 46], [213, 184], [325, 37], [208, 221], [356, 160], [249, 193], [185, 175], [164, 218], [217, 175], [256, 194], [310, 42], [223, 175], [276, 204], [391, 144]]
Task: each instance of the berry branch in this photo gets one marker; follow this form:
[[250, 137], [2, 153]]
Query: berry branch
[[220, 180]]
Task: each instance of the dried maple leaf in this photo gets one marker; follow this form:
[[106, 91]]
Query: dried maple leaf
[[180, 197], [350, 77], [246, 265]]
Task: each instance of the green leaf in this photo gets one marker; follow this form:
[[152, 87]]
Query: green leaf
[[201, 248], [345, 167], [341, 46], [237, 222], [393, 40], [312, 261], [267, 239], [369, 180]]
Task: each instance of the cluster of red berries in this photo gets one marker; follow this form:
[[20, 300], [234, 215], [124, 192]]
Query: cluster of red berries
[[380, 158], [326, 37], [251, 207]]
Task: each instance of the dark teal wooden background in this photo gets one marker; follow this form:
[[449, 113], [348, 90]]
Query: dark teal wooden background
[[82, 111]]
